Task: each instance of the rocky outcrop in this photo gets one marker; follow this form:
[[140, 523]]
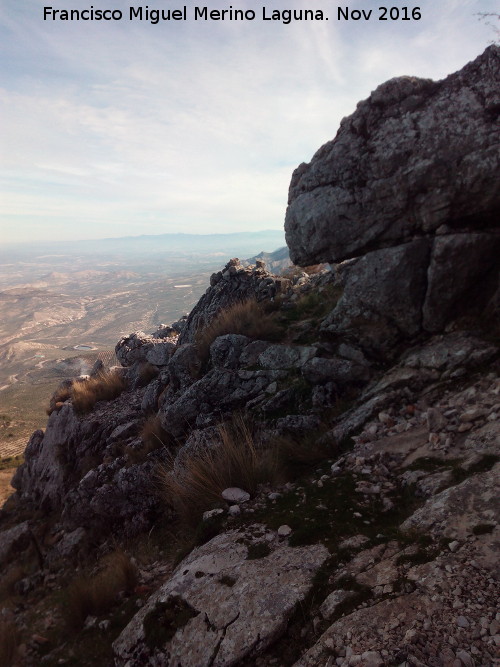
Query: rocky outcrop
[[257, 583], [410, 185], [234, 283], [414, 156], [276, 262]]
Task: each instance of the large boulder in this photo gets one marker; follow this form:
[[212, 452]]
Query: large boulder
[[228, 600], [409, 192], [415, 155]]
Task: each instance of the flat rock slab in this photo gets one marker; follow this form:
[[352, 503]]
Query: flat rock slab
[[456, 511], [227, 600]]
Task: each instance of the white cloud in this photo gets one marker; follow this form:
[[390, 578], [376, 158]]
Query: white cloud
[[132, 128]]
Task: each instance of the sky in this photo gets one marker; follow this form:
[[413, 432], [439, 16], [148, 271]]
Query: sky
[[114, 128]]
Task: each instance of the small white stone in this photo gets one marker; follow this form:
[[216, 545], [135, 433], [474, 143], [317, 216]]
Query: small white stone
[[284, 531], [234, 510], [235, 495], [211, 513], [453, 546], [472, 415]]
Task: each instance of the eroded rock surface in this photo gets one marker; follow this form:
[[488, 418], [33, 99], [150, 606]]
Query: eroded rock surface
[[417, 154], [410, 187], [256, 584]]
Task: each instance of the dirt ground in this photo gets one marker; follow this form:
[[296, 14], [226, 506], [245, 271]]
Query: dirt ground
[[5, 487]]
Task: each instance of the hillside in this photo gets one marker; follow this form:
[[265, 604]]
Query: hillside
[[62, 307], [303, 470]]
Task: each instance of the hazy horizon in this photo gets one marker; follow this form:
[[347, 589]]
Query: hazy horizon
[[112, 129], [28, 242]]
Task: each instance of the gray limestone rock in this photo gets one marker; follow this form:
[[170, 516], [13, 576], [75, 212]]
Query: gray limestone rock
[[415, 155], [340, 371], [454, 512], [219, 391], [226, 350], [235, 604], [159, 353], [383, 296], [334, 602], [286, 356], [462, 277], [133, 348]]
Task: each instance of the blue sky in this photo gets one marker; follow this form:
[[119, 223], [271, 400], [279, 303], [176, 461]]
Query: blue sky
[[118, 128]]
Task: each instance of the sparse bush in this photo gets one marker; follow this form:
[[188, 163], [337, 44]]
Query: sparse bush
[[248, 318], [93, 596], [9, 641], [233, 461], [313, 304], [61, 394], [102, 387], [153, 436]]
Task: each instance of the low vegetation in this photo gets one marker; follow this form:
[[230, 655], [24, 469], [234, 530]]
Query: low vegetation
[[153, 436], [84, 394], [102, 387], [233, 460], [9, 643], [96, 595], [248, 318]]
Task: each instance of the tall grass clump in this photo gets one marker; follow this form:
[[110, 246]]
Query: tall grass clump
[[94, 596], [102, 387], [243, 317], [153, 436], [9, 642], [233, 460]]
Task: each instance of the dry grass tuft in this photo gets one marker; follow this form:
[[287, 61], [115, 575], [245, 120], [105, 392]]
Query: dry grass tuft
[[9, 641], [244, 317], [233, 461], [93, 596], [153, 436], [102, 387], [61, 394]]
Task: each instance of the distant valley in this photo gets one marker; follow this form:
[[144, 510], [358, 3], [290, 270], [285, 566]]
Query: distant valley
[[63, 309]]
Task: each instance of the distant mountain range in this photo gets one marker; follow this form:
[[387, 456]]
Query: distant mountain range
[[276, 261], [242, 244]]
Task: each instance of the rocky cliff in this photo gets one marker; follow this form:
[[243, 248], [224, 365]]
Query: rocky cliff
[[305, 469], [409, 187]]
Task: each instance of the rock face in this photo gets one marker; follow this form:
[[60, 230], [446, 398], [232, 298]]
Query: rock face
[[415, 155], [411, 185], [256, 595]]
